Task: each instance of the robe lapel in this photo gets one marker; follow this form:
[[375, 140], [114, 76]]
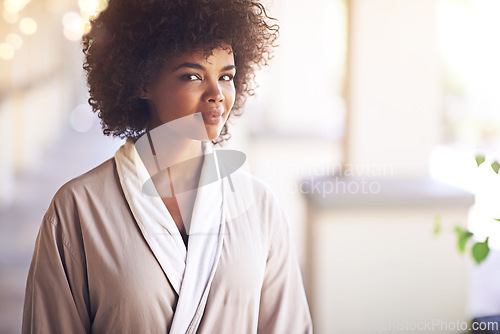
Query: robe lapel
[[190, 271], [204, 246], [152, 217]]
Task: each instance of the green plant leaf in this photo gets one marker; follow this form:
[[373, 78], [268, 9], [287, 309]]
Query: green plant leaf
[[498, 220], [437, 225], [496, 166], [480, 159], [480, 251], [463, 236]]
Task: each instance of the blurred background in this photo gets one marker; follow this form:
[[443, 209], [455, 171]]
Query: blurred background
[[366, 125]]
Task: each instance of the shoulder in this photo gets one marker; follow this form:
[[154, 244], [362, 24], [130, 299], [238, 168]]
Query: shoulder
[[75, 200], [230, 167], [96, 184], [259, 201], [94, 180], [262, 192], [254, 196], [93, 176]]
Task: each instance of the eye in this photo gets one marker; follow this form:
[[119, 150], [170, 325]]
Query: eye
[[190, 77], [226, 77]]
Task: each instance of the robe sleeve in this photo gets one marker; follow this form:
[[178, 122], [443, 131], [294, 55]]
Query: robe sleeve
[[283, 304], [56, 297]]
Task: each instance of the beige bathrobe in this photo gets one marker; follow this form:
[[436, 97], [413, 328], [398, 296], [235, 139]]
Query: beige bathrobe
[[110, 259]]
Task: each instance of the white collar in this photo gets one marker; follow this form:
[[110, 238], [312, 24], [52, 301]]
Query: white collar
[[190, 271]]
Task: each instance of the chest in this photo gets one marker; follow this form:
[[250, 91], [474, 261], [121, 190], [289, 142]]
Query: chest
[[123, 271], [242, 263], [181, 211], [173, 208]]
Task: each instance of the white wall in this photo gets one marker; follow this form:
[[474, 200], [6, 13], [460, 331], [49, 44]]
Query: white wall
[[394, 85], [382, 268]]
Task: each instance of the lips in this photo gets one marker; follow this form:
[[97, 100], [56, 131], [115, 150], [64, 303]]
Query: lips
[[212, 116], [212, 113]]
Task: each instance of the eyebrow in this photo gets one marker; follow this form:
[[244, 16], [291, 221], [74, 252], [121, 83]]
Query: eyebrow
[[200, 67]]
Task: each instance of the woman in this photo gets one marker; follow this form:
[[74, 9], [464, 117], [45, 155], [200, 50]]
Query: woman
[[168, 236]]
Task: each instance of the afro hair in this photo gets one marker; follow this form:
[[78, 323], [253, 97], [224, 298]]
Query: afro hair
[[130, 40]]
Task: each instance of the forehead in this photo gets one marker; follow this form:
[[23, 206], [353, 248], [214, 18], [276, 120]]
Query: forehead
[[218, 56]]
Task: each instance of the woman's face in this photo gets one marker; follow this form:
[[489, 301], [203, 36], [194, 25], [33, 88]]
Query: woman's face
[[194, 84]]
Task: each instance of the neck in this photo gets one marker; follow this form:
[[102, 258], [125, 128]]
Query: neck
[[178, 154]]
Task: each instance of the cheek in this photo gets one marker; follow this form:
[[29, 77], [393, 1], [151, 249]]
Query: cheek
[[174, 99], [230, 97]]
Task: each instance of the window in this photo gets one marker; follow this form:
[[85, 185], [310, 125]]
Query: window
[[468, 31], [301, 94]]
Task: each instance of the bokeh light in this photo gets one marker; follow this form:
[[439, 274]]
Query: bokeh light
[[6, 51], [92, 7], [10, 17], [15, 40], [73, 26], [15, 6], [28, 26], [77, 24]]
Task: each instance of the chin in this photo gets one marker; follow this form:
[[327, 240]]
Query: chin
[[212, 135]]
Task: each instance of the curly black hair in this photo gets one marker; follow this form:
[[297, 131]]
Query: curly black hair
[[131, 39]]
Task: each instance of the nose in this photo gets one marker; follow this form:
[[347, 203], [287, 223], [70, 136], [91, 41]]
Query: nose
[[214, 93]]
